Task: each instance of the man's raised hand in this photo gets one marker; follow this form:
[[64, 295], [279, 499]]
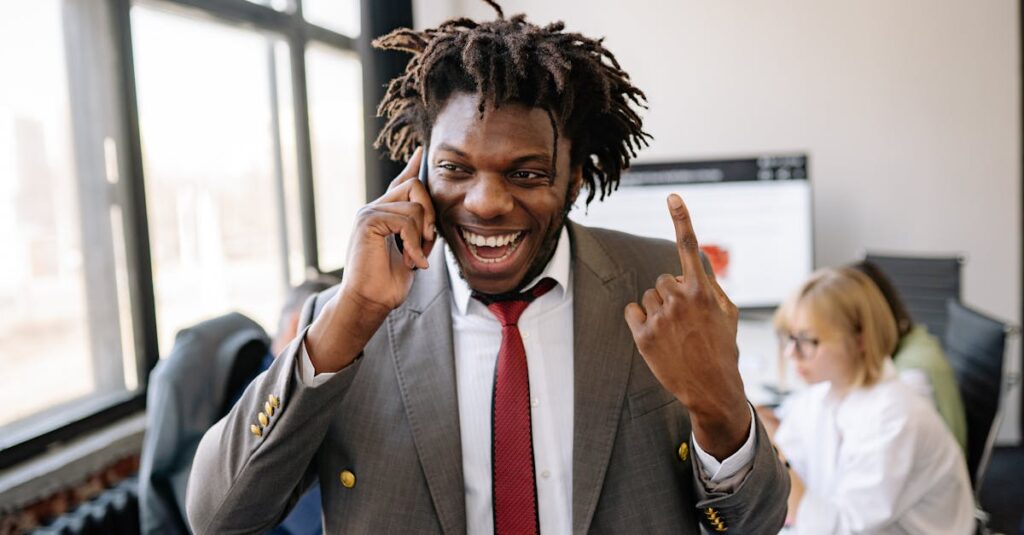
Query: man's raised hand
[[378, 276], [375, 270], [685, 329]]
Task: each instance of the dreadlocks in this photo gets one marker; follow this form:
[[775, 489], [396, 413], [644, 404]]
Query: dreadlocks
[[574, 78]]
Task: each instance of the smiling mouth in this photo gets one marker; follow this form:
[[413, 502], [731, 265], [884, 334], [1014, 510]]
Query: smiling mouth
[[491, 249]]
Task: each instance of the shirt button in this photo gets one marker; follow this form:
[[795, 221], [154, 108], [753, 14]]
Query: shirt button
[[545, 474], [525, 335], [535, 402]]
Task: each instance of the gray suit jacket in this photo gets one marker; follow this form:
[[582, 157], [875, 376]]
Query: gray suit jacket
[[391, 419]]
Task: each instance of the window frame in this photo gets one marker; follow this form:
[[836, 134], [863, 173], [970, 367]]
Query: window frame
[[68, 421]]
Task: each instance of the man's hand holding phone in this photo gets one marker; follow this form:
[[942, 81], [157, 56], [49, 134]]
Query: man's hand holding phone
[[392, 237]]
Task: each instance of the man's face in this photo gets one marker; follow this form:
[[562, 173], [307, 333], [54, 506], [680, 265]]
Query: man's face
[[500, 204]]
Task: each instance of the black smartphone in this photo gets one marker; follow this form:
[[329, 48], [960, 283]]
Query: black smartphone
[[425, 171], [424, 174]]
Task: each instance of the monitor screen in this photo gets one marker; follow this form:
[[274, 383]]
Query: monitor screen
[[752, 218]]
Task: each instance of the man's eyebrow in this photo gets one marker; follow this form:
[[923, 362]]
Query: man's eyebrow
[[449, 148], [539, 157]]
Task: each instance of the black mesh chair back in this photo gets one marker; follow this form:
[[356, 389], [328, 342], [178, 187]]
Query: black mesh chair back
[[924, 284], [975, 346]]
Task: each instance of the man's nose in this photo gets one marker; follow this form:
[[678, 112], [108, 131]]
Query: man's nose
[[489, 197]]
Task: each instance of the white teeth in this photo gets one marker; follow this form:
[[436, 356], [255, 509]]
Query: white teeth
[[476, 240], [490, 241]]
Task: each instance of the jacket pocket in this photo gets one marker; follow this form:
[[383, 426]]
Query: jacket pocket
[[648, 400]]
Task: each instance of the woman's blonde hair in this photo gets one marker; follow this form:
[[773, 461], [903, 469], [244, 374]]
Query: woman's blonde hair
[[846, 302]]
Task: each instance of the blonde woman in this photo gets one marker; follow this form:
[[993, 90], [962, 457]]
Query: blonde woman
[[867, 454]]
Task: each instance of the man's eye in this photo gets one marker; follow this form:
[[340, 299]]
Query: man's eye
[[528, 175], [451, 169]]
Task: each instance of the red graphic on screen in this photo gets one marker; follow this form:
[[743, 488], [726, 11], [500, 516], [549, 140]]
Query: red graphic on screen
[[718, 256]]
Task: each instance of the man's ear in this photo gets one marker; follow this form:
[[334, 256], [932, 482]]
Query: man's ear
[[575, 182]]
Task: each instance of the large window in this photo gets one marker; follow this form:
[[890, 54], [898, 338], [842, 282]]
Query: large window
[[65, 322], [161, 162], [213, 181]]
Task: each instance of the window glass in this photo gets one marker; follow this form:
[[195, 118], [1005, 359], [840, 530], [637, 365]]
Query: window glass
[[65, 322], [280, 5], [336, 129], [211, 154], [341, 16]]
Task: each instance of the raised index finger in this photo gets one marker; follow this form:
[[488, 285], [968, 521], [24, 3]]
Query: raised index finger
[[686, 239]]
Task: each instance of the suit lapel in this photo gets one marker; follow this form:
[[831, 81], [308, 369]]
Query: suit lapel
[[603, 349], [420, 336]]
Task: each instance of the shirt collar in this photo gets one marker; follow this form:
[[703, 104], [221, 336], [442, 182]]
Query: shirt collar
[[557, 269]]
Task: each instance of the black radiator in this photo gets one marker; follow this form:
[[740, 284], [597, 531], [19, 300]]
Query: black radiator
[[113, 512]]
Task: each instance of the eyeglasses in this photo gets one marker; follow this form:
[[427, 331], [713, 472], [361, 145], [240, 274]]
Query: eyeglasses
[[805, 346]]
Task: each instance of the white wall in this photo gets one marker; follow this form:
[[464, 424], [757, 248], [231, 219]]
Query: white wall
[[909, 112]]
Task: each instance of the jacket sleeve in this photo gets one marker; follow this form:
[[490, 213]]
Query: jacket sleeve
[[757, 504], [246, 476]]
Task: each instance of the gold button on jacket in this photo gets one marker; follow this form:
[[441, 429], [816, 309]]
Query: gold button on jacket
[[684, 451], [714, 519], [348, 479]]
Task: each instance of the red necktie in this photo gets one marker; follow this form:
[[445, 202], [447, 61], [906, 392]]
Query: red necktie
[[515, 488]]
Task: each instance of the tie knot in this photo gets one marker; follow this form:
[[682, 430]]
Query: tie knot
[[508, 307]]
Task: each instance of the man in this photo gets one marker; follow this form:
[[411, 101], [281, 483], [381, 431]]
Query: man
[[603, 408]]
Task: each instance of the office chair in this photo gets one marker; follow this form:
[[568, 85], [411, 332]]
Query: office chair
[[975, 345], [925, 284], [188, 392]]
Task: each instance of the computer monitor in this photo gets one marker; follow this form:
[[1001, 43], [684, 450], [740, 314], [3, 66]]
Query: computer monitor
[[752, 218]]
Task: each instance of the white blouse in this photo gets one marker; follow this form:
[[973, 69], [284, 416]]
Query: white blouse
[[879, 461]]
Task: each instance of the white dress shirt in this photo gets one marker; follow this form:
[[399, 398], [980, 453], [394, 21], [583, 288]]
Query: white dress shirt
[[878, 461], [547, 330]]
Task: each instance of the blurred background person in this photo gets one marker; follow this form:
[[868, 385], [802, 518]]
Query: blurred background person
[[919, 358], [866, 453], [288, 322]]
